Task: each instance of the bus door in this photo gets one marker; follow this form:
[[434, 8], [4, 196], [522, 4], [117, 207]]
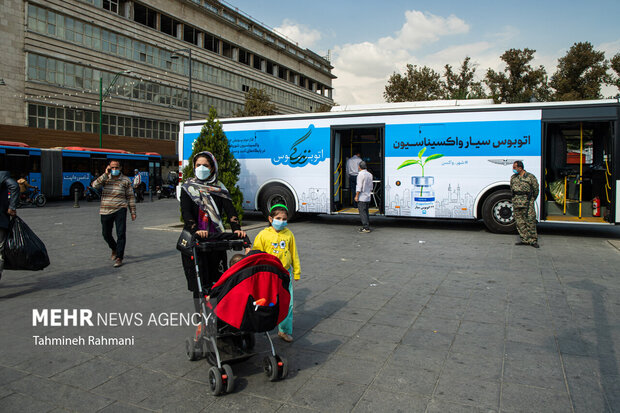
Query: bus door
[[579, 176], [154, 173], [346, 141]]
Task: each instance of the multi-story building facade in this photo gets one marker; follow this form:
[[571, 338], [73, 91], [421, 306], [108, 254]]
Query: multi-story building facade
[[58, 54]]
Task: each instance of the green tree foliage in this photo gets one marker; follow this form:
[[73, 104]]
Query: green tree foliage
[[461, 85], [419, 83], [580, 74], [520, 82], [615, 66], [213, 139], [257, 103]]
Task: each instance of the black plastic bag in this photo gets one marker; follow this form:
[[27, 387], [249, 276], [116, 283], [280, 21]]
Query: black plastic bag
[[23, 250]]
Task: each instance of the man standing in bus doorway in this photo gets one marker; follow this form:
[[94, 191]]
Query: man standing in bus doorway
[[116, 197], [9, 191], [137, 188], [362, 195], [352, 171], [524, 187]]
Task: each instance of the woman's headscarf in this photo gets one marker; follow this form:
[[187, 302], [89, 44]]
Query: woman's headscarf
[[201, 192]]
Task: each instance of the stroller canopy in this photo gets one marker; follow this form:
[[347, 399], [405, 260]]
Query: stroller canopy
[[253, 295]]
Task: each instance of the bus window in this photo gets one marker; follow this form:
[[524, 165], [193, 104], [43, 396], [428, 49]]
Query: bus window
[[71, 164], [17, 164], [98, 166]]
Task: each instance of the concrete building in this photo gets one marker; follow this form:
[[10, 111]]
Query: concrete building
[[57, 53]]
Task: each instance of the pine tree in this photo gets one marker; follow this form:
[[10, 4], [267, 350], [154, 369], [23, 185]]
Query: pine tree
[[213, 139]]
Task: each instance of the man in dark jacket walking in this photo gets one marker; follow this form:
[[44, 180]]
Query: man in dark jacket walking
[[9, 194]]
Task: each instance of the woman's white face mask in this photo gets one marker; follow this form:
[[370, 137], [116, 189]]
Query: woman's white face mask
[[202, 172]]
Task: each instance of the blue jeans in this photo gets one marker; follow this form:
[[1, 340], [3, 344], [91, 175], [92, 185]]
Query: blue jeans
[[118, 218], [286, 326]]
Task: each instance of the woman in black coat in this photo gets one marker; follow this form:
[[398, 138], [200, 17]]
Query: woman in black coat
[[202, 200], [9, 193]]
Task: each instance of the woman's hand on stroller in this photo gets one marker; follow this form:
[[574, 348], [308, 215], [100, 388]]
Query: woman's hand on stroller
[[202, 234], [242, 235]]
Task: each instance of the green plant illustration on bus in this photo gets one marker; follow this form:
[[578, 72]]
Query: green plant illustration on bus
[[420, 161]]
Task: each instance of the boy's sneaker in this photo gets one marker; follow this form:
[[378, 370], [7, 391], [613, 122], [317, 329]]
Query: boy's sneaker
[[113, 256], [118, 262], [364, 230]]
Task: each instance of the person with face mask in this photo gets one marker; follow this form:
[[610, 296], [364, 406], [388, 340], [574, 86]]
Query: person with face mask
[[279, 241], [116, 197], [524, 187], [203, 198]]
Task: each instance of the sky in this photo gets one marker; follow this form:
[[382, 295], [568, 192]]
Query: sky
[[367, 41]]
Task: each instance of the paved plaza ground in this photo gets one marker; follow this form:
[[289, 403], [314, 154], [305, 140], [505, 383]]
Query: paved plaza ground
[[413, 317]]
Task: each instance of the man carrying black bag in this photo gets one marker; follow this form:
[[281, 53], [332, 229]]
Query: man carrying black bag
[[9, 194]]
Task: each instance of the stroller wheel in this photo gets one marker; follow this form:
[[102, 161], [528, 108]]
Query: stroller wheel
[[215, 381], [282, 367], [270, 366], [193, 350], [230, 378]]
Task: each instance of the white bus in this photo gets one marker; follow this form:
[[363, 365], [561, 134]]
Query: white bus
[[446, 159]]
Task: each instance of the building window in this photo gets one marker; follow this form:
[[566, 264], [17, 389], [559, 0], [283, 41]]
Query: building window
[[211, 43], [229, 16], [227, 50], [111, 5], [168, 25], [144, 15], [244, 57], [189, 34], [258, 62], [78, 120]]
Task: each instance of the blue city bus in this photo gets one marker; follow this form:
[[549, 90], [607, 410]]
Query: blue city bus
[[436, 160], [59, 172]]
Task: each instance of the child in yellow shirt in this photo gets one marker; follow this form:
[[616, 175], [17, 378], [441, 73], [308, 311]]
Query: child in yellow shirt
[[279, 241]]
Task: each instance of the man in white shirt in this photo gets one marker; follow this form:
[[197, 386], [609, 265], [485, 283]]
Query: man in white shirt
[[352, 171], [137, 185], [362, 195]]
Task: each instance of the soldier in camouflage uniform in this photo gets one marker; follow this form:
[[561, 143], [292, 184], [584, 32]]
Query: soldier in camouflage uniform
[[524, 187]]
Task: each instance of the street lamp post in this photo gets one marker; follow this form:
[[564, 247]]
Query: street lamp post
[[189, 53], [103, 95]]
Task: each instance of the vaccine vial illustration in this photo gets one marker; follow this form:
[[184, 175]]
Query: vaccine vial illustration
[[423, 196]]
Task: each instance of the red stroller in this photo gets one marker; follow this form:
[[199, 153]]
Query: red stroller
[[251, 297]]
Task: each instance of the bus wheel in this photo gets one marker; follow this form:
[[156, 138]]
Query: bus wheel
[[80, 189], [497, 212], [277, 194]]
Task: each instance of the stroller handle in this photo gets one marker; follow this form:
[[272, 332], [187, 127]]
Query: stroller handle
[[222, 245]]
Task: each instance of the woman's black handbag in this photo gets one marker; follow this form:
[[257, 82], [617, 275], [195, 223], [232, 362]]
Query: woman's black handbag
[[186, 241]]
